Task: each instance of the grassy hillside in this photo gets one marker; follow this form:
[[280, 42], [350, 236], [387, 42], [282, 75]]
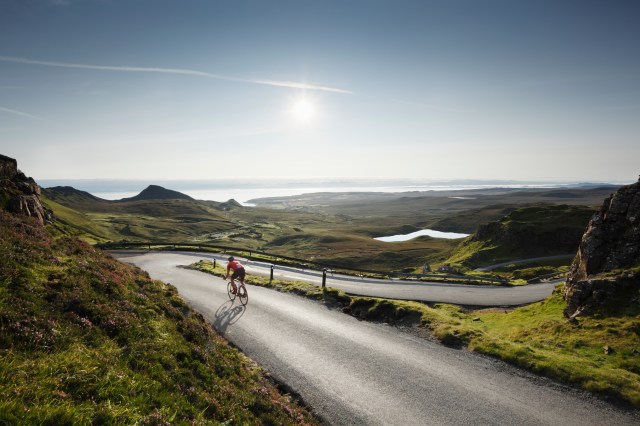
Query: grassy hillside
[[79, 224], [526, 232], [137, 220], [85, 339]]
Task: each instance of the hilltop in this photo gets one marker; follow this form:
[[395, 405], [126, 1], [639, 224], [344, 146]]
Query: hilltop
[[155, 192]]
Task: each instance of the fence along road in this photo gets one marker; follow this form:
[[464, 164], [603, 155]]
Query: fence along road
[[352, 372], [437, 292]]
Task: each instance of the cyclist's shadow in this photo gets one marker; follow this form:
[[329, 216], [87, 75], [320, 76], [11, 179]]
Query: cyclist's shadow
[[226, 315]]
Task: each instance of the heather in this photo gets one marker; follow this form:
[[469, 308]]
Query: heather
[[85, 339]]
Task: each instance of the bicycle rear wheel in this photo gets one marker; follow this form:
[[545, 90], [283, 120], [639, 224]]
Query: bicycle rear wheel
[[242, 294], [230, 293]]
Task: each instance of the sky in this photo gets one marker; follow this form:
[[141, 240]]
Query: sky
[[208, 89]]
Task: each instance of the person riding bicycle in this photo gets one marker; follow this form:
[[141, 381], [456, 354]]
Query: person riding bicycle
[[238, 273]]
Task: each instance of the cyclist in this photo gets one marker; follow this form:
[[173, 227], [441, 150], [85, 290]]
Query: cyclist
[[238, 273]]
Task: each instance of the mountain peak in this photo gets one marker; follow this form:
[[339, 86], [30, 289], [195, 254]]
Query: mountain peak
[[155, 192]]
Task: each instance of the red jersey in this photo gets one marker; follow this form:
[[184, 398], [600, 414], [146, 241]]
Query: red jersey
[[235, 265]]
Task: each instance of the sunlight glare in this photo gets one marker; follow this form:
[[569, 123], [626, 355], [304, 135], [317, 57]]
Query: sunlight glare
[[303, 110]]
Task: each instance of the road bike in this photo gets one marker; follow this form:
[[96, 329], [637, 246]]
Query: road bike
[[241, 293]]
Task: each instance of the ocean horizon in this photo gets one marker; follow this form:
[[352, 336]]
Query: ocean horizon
[[245, 190]]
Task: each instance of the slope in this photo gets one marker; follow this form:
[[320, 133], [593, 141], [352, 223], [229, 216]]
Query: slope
[[145, 219], [85, 339], [526, 232]]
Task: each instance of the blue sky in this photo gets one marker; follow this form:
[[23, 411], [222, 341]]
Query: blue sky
[[196, 89]]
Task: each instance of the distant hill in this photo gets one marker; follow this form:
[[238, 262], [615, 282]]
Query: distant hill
[[68, 192], [155, 192], [157, 214], [526, 232]]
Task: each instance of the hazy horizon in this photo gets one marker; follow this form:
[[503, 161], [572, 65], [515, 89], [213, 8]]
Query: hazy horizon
[[417, 89], [244, 190]]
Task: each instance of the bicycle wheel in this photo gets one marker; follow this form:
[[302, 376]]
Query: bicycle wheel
[[230, 293], [242, 294]]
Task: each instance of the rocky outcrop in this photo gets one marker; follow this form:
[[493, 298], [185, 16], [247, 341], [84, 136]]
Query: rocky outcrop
[[20, 194], [8, 167], [605, 274]]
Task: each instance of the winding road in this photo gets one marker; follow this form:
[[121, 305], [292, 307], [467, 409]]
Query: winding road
[[437, 292], [352, 372]]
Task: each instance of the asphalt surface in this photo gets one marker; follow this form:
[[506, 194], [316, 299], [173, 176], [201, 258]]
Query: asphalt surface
[[437, 292], [352, 372]]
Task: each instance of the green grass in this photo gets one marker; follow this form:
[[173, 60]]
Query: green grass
[[79, 224], [85, 339], [537, 337], [526, 232]]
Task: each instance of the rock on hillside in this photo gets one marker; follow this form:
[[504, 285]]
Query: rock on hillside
[[155, 192], [20, 194], [605, 274]]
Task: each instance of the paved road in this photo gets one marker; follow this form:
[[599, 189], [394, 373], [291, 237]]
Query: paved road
[[352, 372], [462, 294]]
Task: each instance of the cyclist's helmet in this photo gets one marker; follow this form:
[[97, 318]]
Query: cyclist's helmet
[[231, 259]]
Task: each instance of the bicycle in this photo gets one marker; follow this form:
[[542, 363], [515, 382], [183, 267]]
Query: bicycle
[[241, 292]]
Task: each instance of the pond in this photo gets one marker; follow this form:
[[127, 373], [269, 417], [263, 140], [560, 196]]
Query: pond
[[427, 232]]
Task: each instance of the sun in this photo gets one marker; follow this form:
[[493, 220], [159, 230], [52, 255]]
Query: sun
[[303, 110]]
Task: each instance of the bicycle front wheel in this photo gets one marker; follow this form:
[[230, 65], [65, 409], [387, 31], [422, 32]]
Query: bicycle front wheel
[[242, 294], [230, 293]]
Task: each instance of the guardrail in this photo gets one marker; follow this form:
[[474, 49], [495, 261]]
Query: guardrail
[[301, 263]]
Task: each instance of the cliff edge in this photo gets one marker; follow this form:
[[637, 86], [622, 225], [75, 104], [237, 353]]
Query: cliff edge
[[605, 274], [20, 194]]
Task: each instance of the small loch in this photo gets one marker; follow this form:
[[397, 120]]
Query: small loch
[[428, 232]]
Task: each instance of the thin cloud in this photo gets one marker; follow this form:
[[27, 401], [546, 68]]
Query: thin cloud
[[20, 113], [180, 71]]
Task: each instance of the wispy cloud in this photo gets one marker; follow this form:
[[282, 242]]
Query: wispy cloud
[[20, 113], [180, 71]]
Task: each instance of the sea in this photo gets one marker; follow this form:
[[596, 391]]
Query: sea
[[245, 190]]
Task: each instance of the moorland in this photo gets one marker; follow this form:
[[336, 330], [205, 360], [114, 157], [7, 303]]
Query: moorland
[[338, 229]]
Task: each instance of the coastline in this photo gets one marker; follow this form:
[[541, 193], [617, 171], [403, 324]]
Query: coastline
[[245, 190]]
